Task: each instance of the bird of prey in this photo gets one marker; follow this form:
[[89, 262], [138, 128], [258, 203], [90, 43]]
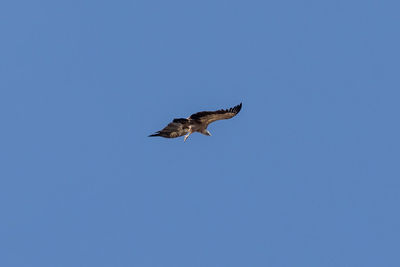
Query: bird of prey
[[197, 122]]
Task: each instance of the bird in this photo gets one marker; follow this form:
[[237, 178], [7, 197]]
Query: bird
[[197, 122]]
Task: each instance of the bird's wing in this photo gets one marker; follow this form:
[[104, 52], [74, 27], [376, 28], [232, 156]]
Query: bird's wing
[[176, 128], [207, 117]]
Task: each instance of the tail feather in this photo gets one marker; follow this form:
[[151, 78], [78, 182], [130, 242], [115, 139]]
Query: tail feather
[[155, 134]]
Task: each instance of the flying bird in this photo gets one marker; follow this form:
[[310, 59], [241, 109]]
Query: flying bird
[[197, 122]]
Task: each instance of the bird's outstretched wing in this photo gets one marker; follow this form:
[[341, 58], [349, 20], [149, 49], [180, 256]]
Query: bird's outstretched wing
[[176, 128], [207, 117]]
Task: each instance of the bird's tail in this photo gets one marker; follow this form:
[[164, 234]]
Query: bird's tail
[[155, 134]]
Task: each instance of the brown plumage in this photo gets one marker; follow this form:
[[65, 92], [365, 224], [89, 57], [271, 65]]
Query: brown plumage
[[197, 122]]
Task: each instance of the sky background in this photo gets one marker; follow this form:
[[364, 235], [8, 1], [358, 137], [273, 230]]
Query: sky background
[[306, 175]]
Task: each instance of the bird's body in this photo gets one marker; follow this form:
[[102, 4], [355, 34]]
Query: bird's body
[[197, 122]]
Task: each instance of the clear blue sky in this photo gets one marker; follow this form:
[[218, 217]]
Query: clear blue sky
[[306, 175]]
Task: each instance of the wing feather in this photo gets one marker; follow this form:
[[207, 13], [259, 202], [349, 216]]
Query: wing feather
[[207, 117]]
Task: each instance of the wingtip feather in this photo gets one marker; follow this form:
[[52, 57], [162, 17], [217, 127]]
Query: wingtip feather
[[237, 108]]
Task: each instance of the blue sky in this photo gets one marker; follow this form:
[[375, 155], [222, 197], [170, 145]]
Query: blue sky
[[306, 175]]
